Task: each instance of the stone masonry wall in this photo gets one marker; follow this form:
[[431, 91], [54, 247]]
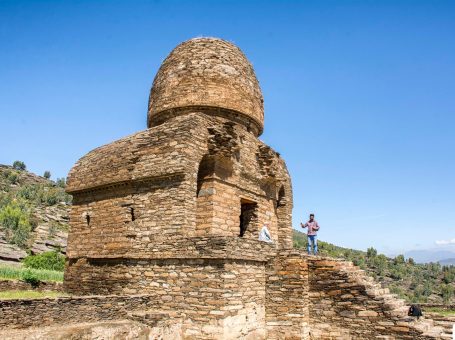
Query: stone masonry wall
[[287, 300], [282, 296], [66, 310], [118, 220], [155, 193], [207, 72], [346, 304], [22, 285], [214, 295]]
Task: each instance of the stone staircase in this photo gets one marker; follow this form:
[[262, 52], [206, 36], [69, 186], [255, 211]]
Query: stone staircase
[[446, 322], [430, 325]]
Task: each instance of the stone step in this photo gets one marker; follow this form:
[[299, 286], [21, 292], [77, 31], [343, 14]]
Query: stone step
[[443, 323], [434, 331], [395, 308], [147, 317], [397, 305], [436, 316], [425, 325], [399, 312]]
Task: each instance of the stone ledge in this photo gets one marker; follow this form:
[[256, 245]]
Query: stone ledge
[[22, 285], [216, 247]]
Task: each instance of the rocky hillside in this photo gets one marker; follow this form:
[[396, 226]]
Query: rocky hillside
[[33, 213]]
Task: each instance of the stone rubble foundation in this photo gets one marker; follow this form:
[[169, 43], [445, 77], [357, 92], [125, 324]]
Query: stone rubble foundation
[[301, 298]]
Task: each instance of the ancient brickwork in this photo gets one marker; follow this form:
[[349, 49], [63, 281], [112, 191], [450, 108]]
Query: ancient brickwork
[[286, 296], [156, 327], [65, 310], [216, 296], [210, 73], [116, 215], [287, 313], [175, 212], [346, 304]]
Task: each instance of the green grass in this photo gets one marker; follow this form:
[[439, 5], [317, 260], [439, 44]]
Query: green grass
[[28, 294], [17, 273], [445, 312]]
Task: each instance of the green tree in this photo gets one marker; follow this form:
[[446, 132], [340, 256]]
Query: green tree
[[47, 174], [371, 252], [427, 288], [399, 259], [446, 292], [380, 263], [397, 273], [61, 182], [435, 269], [19, 165], [16, 224], [411, 261], [449, 276]]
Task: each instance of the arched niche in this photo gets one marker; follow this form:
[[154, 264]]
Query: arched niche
[[213, 199]]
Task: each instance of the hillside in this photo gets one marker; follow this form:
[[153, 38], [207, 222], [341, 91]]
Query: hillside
[[33, 213], [430, 282]]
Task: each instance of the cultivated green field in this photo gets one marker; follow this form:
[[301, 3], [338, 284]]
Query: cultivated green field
[[19, 273], [28, 294]]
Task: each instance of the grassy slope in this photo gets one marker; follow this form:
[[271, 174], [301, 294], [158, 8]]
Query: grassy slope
[[29, 294]]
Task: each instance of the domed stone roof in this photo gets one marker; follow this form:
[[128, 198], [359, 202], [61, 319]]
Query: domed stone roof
[[210, 75]]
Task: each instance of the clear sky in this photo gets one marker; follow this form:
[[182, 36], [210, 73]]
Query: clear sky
[[359, 98]]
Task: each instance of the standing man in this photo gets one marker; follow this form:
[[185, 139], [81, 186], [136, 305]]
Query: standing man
[[313, 228]]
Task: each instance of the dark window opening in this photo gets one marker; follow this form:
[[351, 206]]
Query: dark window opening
[[132, 214], [248, 216], [87, 219], [281, 199]]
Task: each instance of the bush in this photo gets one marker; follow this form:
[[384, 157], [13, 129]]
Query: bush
[[399, 259], [47, 174], [11, 176], [447, 293], [30, 277], [396, 273], [19, 165], [371, 252], [61, 182], [50, 260], [42, 194], [16, 224]]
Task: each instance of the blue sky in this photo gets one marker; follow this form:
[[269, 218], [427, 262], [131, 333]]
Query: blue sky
[[359, 98]]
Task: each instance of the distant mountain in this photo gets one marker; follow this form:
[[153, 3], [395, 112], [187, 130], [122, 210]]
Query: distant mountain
[[427, 256], [447, 262]]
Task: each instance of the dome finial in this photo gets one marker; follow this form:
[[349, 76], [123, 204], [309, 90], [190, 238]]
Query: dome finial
[[209, 74]]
